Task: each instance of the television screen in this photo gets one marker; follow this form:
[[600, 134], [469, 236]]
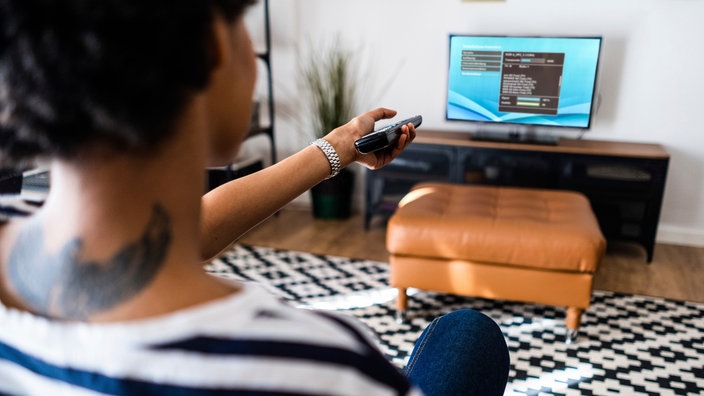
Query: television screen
[[538, 81]]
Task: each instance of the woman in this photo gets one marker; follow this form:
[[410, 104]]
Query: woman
[[102, 289]]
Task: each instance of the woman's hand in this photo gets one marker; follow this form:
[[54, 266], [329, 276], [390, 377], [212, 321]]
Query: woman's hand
[[343, 138], [380, 158]]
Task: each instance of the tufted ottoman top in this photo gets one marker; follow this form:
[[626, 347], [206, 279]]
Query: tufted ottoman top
[[547, 229]]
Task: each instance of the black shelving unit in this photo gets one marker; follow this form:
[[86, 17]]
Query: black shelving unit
[[265, 57], [217, 176]]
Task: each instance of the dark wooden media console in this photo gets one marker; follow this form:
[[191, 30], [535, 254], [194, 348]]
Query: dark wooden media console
[[624, 181]]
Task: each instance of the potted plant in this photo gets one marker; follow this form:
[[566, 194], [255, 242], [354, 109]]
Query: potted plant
[[332, 99]]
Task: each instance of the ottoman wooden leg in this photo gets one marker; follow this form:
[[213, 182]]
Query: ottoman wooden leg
[[573, 321], [401, 304]]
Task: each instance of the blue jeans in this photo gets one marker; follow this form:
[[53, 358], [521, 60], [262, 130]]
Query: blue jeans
[[460, 353]]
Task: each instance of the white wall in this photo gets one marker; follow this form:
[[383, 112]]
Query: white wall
[[651, 86]]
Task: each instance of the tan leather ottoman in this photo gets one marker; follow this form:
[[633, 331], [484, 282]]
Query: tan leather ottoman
[[531, 245]]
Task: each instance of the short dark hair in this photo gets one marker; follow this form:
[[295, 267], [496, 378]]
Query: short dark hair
[[78, 72]]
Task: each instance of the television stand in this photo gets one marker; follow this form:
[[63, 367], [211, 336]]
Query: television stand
[[624, 181], [515, 137]]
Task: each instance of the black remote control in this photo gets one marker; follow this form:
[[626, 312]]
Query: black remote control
[[385, 136]]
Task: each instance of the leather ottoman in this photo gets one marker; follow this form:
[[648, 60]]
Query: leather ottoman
[[520, 244]]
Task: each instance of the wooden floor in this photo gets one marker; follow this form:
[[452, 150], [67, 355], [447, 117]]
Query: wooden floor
[[676, 272]]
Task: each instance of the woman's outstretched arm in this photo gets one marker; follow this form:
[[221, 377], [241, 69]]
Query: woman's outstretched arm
[[233, 208]]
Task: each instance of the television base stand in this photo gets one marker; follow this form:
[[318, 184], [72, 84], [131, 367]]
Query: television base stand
[[515, 137]]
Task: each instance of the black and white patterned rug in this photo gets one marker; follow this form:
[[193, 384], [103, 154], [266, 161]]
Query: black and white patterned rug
[[629, 344]]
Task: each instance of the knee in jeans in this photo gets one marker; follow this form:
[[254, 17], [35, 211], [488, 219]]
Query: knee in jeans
[[471, 319]]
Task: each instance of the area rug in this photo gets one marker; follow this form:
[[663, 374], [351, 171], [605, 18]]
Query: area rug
[[629, 344]]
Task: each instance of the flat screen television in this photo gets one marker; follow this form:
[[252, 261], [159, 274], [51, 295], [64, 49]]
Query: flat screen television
[[531, 83]]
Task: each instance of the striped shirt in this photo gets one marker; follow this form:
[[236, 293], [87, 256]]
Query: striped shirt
[[248, 343]]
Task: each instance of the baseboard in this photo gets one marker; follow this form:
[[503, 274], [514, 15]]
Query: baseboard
[[680, 236]]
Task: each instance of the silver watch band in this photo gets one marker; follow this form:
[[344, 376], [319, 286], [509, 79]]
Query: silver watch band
[[331, 154]]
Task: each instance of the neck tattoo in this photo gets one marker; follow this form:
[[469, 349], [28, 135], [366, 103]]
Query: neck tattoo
[[65, 285]]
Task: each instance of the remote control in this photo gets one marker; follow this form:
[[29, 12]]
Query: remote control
[[385, 136]]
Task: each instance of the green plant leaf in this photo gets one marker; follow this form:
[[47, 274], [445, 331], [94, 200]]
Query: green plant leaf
[[329, 78]]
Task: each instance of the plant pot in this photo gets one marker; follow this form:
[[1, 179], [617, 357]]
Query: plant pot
[[332, 198]]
